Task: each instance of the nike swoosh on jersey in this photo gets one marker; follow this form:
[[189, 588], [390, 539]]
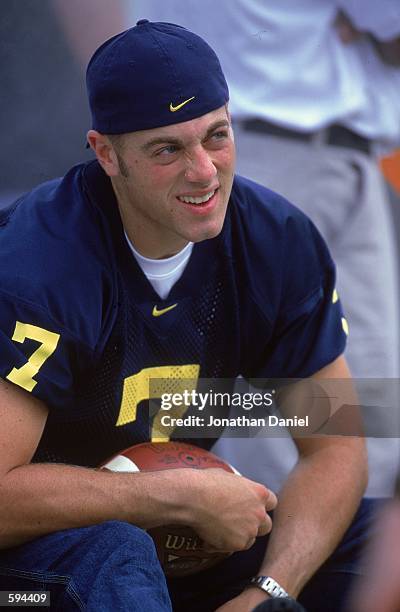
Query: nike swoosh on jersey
[[158, 313], [173, 108]]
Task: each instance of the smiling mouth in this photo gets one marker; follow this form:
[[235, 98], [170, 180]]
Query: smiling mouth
[[198, 200]]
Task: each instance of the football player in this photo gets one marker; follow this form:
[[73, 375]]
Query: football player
[[155, 262]]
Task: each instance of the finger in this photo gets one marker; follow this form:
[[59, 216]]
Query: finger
[[272, 501], [265, 527], [249, 543], [267, 497]]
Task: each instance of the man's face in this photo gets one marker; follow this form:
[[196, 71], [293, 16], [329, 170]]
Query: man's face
[[174, 183]]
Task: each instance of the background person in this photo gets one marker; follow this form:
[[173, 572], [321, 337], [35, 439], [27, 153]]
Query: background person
[[381, 591]]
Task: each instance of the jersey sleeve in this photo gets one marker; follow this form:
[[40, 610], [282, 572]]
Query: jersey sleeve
[[38, 354], [308, 330]]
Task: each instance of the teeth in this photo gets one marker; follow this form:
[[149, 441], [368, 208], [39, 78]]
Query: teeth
[[202, 200]]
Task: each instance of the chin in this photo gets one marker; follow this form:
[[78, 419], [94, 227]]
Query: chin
[[207, 233]]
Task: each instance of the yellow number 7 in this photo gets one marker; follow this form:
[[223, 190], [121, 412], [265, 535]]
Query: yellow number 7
[[23, 376]]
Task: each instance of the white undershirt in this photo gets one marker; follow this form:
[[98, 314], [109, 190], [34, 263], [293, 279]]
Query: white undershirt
[[163, 273]]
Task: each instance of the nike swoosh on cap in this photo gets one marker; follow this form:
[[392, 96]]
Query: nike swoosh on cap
[[173, 108]]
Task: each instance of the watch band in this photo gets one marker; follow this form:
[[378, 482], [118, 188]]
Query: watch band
[[269, 585]]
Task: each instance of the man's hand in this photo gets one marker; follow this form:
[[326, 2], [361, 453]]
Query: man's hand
[[388, 50], [347, 32], [245, 602], [229, 511]]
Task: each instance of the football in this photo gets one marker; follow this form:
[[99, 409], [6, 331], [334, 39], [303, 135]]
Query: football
[[180, 550]]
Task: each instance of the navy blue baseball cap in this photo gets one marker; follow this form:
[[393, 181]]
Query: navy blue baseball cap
[[152, 75]]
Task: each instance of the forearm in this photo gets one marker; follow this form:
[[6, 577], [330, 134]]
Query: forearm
[[226, 510], [315, 508], [37, 499]]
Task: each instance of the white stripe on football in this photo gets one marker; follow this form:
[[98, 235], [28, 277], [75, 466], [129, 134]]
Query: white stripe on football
[[120, 463]]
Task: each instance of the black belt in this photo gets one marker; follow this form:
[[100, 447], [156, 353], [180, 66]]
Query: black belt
[[336, 135]]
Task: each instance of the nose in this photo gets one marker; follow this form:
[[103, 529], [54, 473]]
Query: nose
[[200, 167]]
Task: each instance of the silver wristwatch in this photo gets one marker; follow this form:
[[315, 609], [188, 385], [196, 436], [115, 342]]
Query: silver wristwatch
[[269, 585]]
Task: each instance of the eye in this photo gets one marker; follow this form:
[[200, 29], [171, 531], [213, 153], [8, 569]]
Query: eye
[[219, 138], [168, 150], [220, 135]]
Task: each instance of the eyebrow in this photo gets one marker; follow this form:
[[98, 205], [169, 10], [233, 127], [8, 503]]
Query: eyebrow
[[177, 141]]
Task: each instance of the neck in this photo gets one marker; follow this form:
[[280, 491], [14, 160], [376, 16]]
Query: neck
[[155, 254]]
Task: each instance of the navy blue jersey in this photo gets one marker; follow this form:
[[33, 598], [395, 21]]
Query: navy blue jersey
[[80, 324]]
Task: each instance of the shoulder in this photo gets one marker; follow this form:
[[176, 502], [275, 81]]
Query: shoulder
[[276, 248], [51, 253], [254, 204], [265, 224], [286, 285]]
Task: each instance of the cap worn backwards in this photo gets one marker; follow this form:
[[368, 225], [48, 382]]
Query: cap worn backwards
[[152, 75]]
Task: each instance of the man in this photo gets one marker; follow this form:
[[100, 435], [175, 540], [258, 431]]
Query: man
[[155, 258]]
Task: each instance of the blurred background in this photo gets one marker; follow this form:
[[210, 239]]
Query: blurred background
[[44, 47], [294, 70]]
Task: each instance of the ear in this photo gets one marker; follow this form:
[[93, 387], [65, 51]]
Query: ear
[[104, 151]]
